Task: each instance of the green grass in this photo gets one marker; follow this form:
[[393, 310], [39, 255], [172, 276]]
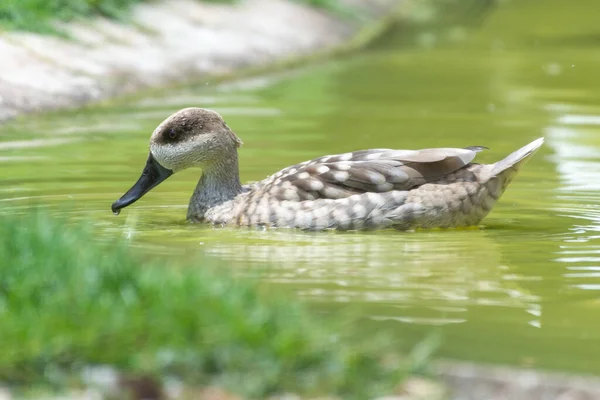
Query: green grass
[[67, 303], [38, 15]]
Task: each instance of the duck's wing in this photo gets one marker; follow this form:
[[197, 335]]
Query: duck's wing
[[375, 170]]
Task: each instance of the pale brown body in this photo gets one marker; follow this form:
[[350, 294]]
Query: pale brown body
[[458, 199], [367, 189]]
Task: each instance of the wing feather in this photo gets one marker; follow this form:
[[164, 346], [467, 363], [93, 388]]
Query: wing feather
[[374, 170]]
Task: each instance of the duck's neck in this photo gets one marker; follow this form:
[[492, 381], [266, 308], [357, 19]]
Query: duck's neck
[[219, 183]]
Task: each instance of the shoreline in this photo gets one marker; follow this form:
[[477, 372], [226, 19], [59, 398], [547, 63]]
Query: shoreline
[[173, 42], [482, 381]]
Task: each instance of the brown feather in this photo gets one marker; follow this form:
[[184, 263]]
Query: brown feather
[[375, 170]]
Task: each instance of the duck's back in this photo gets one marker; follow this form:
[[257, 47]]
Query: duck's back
[[374, 188], [375, 171]]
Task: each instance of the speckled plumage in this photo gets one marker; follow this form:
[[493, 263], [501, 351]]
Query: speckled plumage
[[366, 189], [457, 199]]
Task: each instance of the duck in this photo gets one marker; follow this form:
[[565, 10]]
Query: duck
[[359, 190]]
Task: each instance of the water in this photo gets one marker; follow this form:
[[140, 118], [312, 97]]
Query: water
[[522, 290]]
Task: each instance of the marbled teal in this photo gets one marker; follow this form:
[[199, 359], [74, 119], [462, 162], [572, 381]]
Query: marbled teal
[[365, 189]]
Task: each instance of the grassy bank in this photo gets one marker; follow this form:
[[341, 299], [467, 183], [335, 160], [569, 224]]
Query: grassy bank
[[67, 303], [37, 15]]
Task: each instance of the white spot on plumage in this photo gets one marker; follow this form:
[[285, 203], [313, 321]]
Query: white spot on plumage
[[291, 194], [359, 211], [376, 213], [303, 175], [397, 176], [321, 169], [254, 219], [284, 216], [320, 212], [345, 156], [264, 209], [355, 198], [339, 215], [341, 176], [251, 208], [308, 204], [343, 166], [308, 217], [373, 156], [399, 195], [316, 185], [300, 218], [376, 199], [375, 177], [289, 216], [329, 191]]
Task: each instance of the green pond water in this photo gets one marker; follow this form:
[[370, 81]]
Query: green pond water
[[524, 289]]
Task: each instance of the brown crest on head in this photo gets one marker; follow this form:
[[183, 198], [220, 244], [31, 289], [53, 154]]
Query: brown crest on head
[[190, 123]]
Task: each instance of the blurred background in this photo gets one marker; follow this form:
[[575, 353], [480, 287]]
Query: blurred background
[[521, 291]]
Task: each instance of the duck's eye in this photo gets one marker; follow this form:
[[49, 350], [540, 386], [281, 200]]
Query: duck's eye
[[172, 134]]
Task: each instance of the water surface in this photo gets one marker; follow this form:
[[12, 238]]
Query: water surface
[[523, 289]]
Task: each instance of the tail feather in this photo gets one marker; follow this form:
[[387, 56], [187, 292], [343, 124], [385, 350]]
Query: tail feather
[[516, 159]]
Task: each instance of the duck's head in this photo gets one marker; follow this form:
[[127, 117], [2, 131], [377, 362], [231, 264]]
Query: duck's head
[[192, 137]]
